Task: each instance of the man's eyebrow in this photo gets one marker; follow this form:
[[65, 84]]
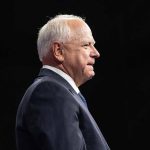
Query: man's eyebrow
[[88, 41]]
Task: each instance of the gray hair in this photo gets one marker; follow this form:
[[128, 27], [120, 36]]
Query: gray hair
[[56, 29]]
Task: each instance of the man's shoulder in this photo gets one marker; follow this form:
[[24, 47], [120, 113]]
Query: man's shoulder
[[45, 88], [45, 82]]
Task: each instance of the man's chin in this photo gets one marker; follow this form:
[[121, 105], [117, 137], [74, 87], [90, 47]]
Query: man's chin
[[91, 75], [88, 77]]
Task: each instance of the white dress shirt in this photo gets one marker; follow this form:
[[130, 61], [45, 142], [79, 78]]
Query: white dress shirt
[[64, 75]]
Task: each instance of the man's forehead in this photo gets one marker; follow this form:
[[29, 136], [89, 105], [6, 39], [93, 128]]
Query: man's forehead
[[86, 39], [82, 33]]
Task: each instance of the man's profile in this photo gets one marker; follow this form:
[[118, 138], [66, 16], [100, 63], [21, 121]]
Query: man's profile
[[53, 114]]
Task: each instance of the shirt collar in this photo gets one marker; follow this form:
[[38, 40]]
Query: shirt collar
[[64, 75]]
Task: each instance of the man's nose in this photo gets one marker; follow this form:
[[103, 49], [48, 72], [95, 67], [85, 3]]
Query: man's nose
[[95, 53]]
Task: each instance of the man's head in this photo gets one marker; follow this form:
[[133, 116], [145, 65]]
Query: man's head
[[66, 42]]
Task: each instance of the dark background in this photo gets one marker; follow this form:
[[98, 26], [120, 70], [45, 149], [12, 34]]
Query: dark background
[[122, 75]]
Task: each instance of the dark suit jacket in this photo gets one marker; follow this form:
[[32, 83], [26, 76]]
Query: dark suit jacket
[[51, 116]]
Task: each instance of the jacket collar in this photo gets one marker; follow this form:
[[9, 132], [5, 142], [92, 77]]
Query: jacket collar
[[44, 72]]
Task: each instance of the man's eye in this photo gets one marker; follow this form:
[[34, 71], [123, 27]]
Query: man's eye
[[86, 45]]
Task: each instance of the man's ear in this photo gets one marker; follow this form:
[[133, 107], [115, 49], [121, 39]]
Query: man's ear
[[57, 49]]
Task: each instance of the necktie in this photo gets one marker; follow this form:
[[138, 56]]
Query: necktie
[[83, 99]]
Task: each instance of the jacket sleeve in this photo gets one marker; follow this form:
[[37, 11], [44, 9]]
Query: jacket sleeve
[[51, 118]]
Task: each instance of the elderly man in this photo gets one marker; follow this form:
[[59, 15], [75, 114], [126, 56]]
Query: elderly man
[[53, 114]]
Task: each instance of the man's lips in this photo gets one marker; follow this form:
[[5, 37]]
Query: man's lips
[[91, 63], [90, 66]]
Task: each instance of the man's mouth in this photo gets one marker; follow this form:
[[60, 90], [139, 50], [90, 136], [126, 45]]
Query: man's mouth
[[90, 66]]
